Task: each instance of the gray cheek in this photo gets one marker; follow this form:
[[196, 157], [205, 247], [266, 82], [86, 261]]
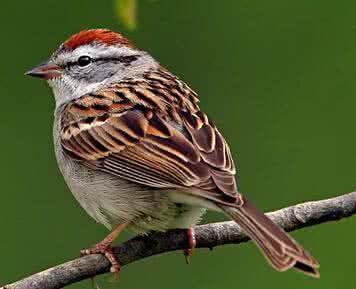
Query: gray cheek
[[96, 73]]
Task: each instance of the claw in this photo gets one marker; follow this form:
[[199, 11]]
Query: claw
[[105, 249], [188, 252]]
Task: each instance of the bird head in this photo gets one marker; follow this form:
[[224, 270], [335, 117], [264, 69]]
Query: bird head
[[92, 60]]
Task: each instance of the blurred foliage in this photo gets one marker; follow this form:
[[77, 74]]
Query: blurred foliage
[[126, 11]]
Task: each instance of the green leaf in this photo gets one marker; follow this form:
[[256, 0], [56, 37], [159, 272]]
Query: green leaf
[[126, 12]]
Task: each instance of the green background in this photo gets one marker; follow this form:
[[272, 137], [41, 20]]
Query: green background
[[277, 77]]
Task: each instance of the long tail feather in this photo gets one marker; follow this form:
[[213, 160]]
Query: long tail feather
[[280, 250]]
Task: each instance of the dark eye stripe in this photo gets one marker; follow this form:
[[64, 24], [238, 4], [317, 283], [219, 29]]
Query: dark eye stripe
[[126, 60]]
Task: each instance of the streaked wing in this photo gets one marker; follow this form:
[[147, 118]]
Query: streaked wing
[[150, 131]]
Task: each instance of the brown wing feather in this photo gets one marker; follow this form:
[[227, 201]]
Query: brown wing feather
[[131, 132]]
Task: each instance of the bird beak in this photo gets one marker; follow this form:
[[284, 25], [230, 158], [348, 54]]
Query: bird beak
[[47, 70]]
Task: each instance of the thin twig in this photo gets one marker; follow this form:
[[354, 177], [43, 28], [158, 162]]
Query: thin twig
[[207, 236]]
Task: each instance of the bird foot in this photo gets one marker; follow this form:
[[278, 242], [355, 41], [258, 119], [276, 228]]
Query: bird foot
[[105, 248], [188, 252]]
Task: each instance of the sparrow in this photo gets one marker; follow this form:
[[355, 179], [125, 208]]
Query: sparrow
[[137, 152]]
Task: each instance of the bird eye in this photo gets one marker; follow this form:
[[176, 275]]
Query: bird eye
[[84, 60]]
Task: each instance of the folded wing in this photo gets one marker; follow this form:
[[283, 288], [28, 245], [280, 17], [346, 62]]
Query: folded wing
[[144, 133]]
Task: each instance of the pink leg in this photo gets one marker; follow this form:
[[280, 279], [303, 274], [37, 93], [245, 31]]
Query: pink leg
[[105, 247], [191, 244]]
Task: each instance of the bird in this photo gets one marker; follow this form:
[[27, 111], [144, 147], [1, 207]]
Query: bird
[[138, 153]]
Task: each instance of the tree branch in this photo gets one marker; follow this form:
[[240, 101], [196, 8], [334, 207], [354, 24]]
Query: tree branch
[[207, 236]]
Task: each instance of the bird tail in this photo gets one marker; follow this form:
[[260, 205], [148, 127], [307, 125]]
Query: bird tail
[[281, 251]]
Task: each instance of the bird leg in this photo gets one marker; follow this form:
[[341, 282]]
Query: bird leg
[[191, 244], [105, 247]]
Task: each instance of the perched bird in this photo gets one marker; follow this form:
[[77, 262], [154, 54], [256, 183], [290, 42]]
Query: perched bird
[[137, 152]]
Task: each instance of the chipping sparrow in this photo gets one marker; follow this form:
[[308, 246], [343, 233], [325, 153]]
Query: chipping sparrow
[[137, 152]]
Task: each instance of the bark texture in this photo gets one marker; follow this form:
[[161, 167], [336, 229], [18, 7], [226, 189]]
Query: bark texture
[[207, 236]]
